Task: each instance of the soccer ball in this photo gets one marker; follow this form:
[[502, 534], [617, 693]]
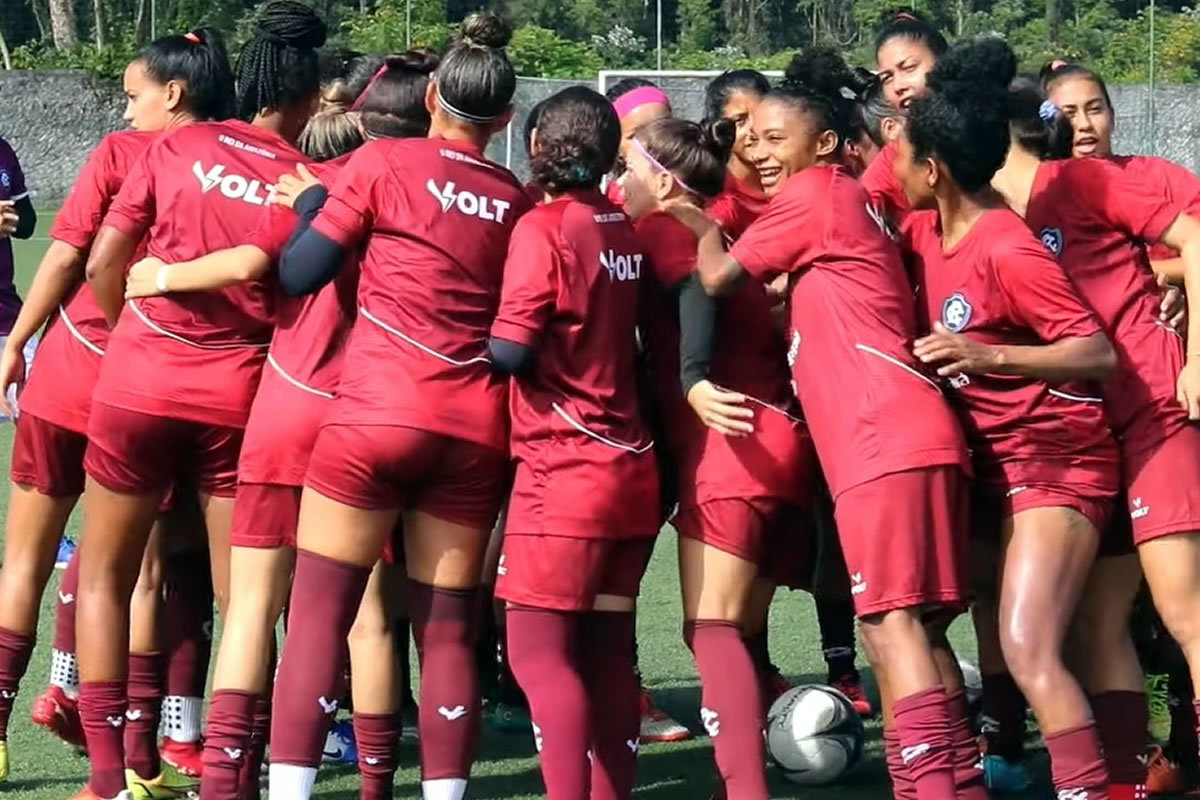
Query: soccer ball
[[814, 735]]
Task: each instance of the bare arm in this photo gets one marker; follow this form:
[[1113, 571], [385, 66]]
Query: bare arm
[[106, 270], [1070, 358], [234, 265]]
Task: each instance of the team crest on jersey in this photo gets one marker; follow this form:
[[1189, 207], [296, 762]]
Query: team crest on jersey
[[1052, 240], [5, 179], [956, 312]]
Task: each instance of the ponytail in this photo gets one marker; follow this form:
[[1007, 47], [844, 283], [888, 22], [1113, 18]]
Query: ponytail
[[198, 60], [694, 154]]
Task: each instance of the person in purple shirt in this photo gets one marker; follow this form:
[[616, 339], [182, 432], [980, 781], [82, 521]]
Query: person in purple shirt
[[17, 218]]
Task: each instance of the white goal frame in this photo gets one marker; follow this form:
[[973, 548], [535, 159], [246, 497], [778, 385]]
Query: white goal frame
[[604, 75]]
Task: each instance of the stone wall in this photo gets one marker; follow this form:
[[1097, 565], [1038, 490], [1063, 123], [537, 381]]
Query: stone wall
[[53, 119]]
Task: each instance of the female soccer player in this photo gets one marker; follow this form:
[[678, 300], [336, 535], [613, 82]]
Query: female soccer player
[[575, 546], [637, 102], [852, 317], [1115, 209], [194, 190], [745, 473], [303, 367], [173, 81], [425, 437], [1008, 332]]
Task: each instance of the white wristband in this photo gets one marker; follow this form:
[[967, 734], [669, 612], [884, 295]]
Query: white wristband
[[160, 279]]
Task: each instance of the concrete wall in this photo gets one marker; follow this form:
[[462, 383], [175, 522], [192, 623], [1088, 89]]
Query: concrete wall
[[53, 118]]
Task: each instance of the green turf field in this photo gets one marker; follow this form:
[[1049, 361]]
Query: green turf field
[[42, 769]]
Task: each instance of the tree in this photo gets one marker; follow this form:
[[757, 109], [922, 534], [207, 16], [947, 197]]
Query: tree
[[697, 25], [62, 24], [538, 51]]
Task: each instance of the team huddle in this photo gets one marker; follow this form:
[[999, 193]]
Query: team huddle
[[909, 338]]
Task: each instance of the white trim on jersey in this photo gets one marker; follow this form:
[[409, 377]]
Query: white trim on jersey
[[157, 329], [372, 318], [637, 451], [62, 313], [880, 354], [302, 386], [1075, 397], [17, 197]]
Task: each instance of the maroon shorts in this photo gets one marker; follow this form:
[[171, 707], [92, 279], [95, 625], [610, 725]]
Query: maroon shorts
[[265, 515], [989, 510], [137, 453], [775, 535], [1163, 485], [377, 467], [48, 457], [904, 536], [562, 573]]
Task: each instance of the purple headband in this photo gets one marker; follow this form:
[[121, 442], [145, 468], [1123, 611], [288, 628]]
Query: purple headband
[[641, 96], [658, 167]]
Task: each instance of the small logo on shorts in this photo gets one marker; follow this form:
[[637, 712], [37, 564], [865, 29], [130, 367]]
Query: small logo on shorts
[[1016, 490], [911, 754], [501, 568], [1052, 240], [857, 584], [956, 312], [1137, 510], [712, 722]]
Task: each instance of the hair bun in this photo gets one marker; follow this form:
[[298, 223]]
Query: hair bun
[[824, 71], [420, 59], [718, 135], [978, 64], [483, 29]]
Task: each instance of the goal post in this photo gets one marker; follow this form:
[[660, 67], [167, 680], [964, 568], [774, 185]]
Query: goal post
[[607, 76]]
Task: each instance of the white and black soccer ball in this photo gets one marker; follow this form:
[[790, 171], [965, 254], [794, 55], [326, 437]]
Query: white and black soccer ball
[[814, 735]]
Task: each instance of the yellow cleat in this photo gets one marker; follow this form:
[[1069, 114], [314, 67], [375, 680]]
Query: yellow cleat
[[3, 761], [169, 784]]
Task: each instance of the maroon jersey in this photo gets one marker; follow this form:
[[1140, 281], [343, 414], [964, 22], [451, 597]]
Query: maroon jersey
[[585, 462], [749, 356], [1095, 216], [887, 196], [64, 373], [999, 286], [1182, 184], [434, 218], [736, 207], [195, 355], [852, 331]]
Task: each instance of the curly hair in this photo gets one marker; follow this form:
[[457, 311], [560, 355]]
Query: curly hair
[[578, 135], [818, 82]]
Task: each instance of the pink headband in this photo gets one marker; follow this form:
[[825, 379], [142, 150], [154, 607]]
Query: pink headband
[[362, 96], [641, 96], [658, 167]]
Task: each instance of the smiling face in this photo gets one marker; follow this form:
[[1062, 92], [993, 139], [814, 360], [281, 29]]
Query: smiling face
[[786, 140], [1082, 101], [903, 64], [738, 109]]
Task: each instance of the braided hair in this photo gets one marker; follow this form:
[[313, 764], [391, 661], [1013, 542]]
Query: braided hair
[[279, 67]]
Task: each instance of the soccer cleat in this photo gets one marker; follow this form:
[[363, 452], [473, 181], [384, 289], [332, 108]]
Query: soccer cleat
[[851, 686], [1163, 776], [657, 726], [168, 784], [59, 714], [339, 744], [511, 718], [66, 549], [87, 794], [1157, 700], [1004, 777], [185, 757], [410, 729]]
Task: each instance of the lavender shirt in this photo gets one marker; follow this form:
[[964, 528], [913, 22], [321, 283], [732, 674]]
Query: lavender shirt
[[12, 187]]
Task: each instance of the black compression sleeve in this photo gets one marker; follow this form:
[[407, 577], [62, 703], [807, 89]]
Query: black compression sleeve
[[697, 331], [310, 259], [509, 357], [26, 218]]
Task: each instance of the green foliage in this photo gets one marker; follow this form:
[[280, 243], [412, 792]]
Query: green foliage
[[109, 63], [542, 52], [385, 29]]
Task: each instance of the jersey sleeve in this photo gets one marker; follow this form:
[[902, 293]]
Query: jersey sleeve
[[531, 280], [1039, 294], [12, 173], [781, 240], [1138, 202], [132, 211], [78, 221], [669, 245], [272, 231], [350, 210]]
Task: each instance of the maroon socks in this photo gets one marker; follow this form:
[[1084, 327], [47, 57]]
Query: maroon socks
[[324, 601], [606, 664], [1003, 717], [145, 693], [968, 764], [731, 707], [15, 649], [927, 742], [102, 711], [449, 712], [226, 743], [1077, 765], [377, 737], [187, 623], [64, 671], [1122, 720], [903, 787]]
